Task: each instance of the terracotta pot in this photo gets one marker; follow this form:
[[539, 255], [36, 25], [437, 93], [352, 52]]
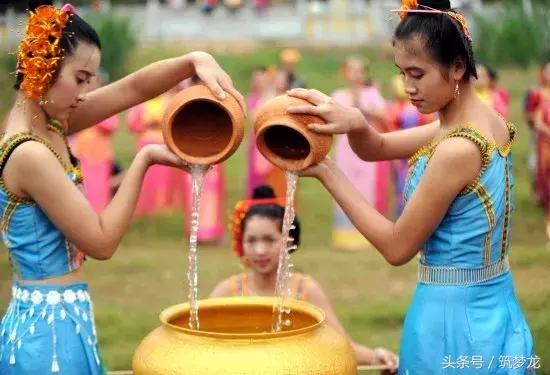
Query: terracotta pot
[[284, 138], [201, 129], [236, 339]]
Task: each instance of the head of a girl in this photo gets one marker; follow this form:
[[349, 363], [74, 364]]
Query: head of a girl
[[355, 70], [258, 80], [79, 53], [433, 53], [281, 82], [483, 80], [261, 230]]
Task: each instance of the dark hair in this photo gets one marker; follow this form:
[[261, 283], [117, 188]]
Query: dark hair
[[444, 37], [271, 211], [76, 31]]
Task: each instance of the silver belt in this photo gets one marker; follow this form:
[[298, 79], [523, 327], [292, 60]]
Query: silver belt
[[442, 275]]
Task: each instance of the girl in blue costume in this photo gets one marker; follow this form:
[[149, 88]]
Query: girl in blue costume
[[464, 317], [47, 224]]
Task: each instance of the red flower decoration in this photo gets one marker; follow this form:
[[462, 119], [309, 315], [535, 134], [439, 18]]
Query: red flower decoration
[[407, 5], [39, 52]]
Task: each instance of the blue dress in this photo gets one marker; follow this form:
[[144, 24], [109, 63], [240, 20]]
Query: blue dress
[[47, 328], [465, 317]]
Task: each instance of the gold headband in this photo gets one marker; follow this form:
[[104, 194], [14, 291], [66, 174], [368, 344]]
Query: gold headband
[[412, 6]]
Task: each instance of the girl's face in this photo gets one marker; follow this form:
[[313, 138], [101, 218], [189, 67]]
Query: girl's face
[[429, 85], [73, 82], [262, 243], [354, 72], [281, 82], [258, 81]]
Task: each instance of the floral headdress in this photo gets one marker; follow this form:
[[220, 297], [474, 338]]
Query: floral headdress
[[412, 6], [39, 53], [239, 213]]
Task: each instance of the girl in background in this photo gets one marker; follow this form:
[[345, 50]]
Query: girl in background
[[371, 178], [257, 225]]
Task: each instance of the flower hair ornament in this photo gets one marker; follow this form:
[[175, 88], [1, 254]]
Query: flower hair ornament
[[412, 6], [39, 54], [239, 213]]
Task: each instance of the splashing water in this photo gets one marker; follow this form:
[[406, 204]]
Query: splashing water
[[198, 171], [282, 286]]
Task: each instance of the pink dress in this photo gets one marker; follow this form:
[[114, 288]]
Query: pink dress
[[371, 178], [158, 192], [93, 147]]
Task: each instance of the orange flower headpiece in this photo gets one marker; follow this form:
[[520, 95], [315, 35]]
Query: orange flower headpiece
[[412, 6], [239, 213], [39, 53]]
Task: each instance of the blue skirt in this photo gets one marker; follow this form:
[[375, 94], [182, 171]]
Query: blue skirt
[[49, 329], [477, 329]]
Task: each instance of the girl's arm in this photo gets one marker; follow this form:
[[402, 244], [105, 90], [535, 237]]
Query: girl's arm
[[454, 164], [367, 143], [149, 82], [223, 289], [33, 171]]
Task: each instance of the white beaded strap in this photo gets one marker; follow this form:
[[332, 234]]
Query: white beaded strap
[[461, 276], [52, 297]]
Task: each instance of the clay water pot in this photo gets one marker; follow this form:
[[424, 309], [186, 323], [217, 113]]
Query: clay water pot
[[202, 129], [284, 138], [235, 338]]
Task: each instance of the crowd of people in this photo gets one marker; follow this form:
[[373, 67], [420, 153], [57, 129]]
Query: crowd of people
[[167, 190]]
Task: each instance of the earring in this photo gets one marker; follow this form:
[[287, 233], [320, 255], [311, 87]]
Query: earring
[[457, 91]]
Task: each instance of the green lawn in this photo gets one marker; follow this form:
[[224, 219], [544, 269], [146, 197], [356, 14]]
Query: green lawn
[[148, 272]]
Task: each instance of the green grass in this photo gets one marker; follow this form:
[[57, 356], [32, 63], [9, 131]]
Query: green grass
[[148, 272]]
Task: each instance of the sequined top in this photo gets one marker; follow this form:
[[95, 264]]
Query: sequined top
[[37, 249], [475, 231]]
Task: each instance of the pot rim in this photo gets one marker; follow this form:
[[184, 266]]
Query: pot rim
[[295, 165], [304, 307], [206, 160]]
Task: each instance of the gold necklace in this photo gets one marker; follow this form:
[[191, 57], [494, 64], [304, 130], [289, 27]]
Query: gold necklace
[[56, 127]]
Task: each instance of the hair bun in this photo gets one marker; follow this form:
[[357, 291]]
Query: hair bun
[[33, 4], [436, 4], [263, 192]]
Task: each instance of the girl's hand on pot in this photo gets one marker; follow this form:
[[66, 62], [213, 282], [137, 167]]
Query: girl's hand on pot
[[215, 78], [339, 119]]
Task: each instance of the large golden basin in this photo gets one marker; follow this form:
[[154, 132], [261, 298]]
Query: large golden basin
[[235, 338]]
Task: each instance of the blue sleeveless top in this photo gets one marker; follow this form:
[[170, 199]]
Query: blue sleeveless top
[[475, 231], [37, 249]]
